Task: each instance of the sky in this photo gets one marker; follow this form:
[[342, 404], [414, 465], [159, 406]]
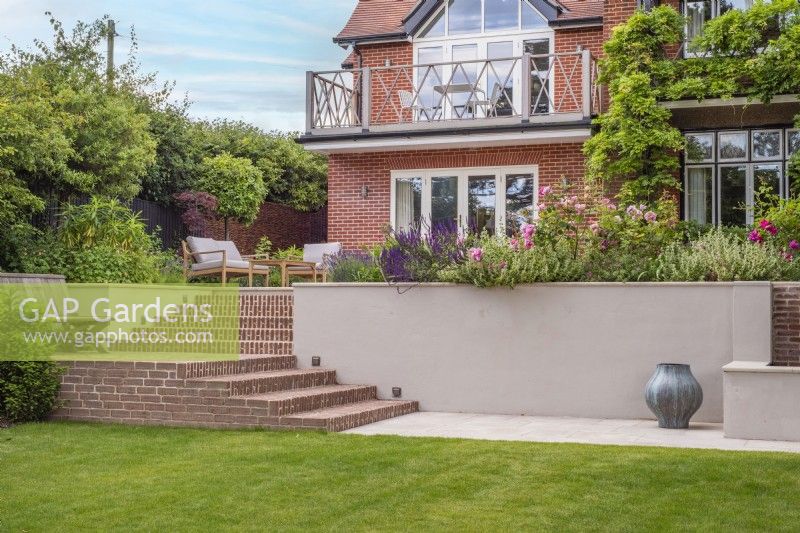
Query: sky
[[236, 59]]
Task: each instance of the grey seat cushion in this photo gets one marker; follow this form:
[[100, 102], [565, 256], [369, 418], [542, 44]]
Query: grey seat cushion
[[231, 251], [316, 253], [199, 245], [244, 265]]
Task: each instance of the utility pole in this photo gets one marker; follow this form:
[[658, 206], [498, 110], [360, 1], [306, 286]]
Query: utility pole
[[111, 33]]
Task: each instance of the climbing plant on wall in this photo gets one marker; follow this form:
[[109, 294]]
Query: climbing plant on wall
[[753, 53]]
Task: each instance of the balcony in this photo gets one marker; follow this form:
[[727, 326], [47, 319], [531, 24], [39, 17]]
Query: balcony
[[529, 90]]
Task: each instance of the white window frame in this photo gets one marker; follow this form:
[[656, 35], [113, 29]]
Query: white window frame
[[714, 196], [752, 154], [500, 175], [482, 39], [445, 9], [746, 157]]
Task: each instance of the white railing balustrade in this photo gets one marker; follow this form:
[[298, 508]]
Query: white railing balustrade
[[528, 88]]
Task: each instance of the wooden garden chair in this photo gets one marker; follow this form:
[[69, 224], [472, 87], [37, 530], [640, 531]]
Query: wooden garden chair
[[204, 257]]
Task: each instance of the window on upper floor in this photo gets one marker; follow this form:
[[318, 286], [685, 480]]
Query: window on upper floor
[[464, 17], [699, 12]]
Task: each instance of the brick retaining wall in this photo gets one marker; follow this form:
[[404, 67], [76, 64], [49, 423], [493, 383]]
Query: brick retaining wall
[[786, 324], [160, 393]]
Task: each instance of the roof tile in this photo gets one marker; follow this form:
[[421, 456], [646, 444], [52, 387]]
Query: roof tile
[[373, 18]]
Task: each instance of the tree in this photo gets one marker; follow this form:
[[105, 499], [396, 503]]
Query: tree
[[97, 135], [297, 177], [237, 185], [293, 175]]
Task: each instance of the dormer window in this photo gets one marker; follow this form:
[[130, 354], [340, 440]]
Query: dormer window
[[466, 17]]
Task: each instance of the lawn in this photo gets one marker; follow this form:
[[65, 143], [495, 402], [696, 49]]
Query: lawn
[[83, 476]]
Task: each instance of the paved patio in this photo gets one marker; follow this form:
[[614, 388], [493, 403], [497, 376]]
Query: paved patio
[[563, 429]]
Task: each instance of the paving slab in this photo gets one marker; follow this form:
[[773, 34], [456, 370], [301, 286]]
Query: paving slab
[[566, 429]]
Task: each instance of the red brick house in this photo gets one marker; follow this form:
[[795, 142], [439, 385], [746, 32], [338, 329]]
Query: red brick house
[[461, 110]]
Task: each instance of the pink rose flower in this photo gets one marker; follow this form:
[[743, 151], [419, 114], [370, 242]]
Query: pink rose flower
[[794, 245], [580, 208], [541, 207], [528, 230], [545, 191], [755, 236], [476, 254], [513, 244], [650, 216], [528, 244]]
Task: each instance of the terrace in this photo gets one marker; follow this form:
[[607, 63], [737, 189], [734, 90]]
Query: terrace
[[531, 90]]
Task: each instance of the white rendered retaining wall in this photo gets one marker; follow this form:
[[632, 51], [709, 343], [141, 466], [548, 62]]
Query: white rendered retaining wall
[[562, 349]]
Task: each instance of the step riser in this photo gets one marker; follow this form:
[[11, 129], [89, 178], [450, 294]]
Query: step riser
[[349, 421], [262, 385], [314, 401], [241, 366], [352, 421]]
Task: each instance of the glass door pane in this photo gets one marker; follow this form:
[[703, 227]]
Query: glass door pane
[[444, 201], [500, 82], [767, 177], [428, 101], [540, 75], [408, 203], [732, 195], [481, 204], [464, 81], [699, 194], [519, 202]]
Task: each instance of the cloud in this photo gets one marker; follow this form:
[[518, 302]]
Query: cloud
[[210, 54]]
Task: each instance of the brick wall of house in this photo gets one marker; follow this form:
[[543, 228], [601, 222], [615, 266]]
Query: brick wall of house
[[786, 324], [357, 221], [283, 225], [615, 12], [387, 82]]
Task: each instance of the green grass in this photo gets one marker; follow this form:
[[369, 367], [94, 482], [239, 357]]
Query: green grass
[[102, 477]]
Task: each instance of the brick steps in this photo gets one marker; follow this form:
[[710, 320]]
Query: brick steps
[[262, 382], [264, 388], [254, 363], [283, 403], [242, 391], [352, 415]]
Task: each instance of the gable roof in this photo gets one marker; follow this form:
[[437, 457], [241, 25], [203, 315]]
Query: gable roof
[[375, 20]]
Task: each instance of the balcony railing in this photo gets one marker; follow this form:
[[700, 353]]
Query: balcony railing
[[525, 89]]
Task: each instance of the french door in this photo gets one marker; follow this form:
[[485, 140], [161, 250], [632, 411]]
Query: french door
[[495, 200]]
